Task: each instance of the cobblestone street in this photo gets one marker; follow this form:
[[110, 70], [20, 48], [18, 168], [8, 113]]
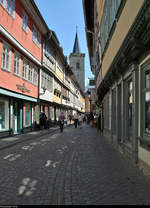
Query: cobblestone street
[[76, 167]]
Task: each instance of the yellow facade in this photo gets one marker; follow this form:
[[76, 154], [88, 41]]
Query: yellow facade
[[123, 25]]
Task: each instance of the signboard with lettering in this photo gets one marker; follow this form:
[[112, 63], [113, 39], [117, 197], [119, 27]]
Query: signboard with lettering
[[22, 88]]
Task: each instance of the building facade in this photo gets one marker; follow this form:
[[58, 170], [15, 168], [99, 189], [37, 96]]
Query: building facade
[[20, 62], [118, 42]]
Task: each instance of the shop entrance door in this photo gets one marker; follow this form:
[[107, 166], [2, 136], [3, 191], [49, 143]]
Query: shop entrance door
[[17, 117]]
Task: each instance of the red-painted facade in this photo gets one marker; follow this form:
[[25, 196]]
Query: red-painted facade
[[18, 95], [14, 27]]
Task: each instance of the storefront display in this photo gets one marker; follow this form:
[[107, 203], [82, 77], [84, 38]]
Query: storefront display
[[27, 114], [4, 114]]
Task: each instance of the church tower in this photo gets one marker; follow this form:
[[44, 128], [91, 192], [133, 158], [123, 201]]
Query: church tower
[[76, 60]]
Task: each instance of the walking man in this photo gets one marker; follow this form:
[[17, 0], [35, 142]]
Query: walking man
[[80, 120]]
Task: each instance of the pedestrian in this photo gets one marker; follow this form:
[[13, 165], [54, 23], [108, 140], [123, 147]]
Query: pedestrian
[[45, 120], [91, 119], [80, 120], [70, 118], [75, 120], [41, 120], [61, 121]]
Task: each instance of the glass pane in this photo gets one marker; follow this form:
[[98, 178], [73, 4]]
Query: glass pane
[[147, 79], [130, 101], [27, 115], [147, 117], [4, 115]]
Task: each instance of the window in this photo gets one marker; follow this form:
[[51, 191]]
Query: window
[[147, 102], [24, 21], [6, 58], [35, 76], [17, 64], [77, 65], [47, 81], [11, 7], [114, 111], [25, 69], [2, 3], [27, 115], [4, 114], [29, 73], [118, 3], [130, 101], [36, 37], [60, 66]]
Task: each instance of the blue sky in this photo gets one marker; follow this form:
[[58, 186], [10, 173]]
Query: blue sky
[[63, 16]]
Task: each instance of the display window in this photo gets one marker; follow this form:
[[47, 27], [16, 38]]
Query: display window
[[4, 114], [28, 114]]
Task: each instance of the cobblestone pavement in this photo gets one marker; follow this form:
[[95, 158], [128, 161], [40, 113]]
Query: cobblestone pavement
[[76, 167]]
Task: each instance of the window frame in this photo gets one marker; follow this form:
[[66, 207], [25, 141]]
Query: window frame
[[8, 47], [144, 68]]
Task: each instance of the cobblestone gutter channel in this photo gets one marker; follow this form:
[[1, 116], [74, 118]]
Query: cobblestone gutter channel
[[62, 193]]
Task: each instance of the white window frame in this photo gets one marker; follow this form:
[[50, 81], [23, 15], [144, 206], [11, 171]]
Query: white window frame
[[17, 64], [8, 53], [11, 8], [24, 21]]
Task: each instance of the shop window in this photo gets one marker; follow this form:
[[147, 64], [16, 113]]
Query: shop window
[[128, 109], [130, 102], [27, 115], [4, 115], [114, 111], [17, 64], [147, 102], [6, 58]]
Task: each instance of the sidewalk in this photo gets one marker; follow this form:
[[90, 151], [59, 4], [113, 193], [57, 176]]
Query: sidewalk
[[13, 140]]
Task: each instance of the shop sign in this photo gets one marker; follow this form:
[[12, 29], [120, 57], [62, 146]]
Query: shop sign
[[22, 88]]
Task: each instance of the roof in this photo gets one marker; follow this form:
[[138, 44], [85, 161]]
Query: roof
[[76, 48]]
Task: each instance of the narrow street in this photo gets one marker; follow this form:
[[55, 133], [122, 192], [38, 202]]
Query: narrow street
[[74, 167]]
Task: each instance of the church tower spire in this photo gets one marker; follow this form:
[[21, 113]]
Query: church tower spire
[[76, 48]]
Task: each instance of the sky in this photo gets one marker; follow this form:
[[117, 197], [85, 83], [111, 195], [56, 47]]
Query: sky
[[63, 17]]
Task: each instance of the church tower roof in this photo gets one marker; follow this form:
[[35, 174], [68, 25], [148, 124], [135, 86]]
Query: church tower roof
[[76, 48]]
